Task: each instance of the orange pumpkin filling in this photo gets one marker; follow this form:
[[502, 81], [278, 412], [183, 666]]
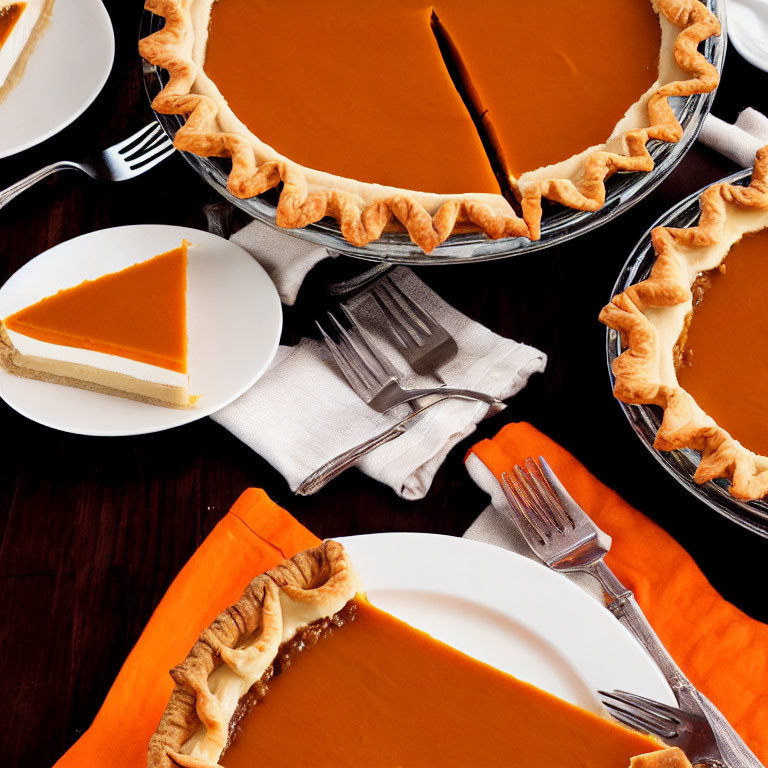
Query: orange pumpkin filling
[[8, 18], [724, 362], [139, 313], [378, 693], [363, 90]]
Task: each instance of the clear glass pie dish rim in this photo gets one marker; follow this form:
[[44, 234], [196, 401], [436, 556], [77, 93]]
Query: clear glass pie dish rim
[[558, 226], [646, 419]]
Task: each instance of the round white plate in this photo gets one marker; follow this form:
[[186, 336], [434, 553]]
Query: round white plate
[[67, 69], [507, 611], [234, 320]]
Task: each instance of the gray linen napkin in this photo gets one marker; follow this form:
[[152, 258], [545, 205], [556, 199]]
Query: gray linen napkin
[[740, 141], [302, 412]]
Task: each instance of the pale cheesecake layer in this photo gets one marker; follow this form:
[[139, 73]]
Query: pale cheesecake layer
[[96, 371], [18, 45]]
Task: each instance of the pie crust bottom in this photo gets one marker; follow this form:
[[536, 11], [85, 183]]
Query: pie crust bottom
[[89, 378]]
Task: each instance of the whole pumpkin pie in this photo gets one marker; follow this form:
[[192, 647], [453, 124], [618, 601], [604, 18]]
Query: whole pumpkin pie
[[430, 115], [123, 334], [695, 335], [304, 670]]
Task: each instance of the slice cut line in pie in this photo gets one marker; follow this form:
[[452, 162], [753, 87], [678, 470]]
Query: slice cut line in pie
[[124, 333], [694, 336], [428, 114], [21, 25], [303, 668]]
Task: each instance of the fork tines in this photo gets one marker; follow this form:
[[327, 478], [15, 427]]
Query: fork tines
[[533, 500], [363, 366], [642, 713], [408, 320]]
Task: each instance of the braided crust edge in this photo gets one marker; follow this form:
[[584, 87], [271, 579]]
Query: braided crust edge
[[246, 637], [683, 424], [298, 207]]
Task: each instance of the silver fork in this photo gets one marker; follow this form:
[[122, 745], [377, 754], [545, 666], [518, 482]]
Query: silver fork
[[567, 540], [371, 374], [691, 733], [373, 377], [131, 157], [421, 339]]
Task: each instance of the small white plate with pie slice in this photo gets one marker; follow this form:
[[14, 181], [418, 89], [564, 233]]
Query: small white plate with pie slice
[[508, 611], [65, 71], [234, 320]]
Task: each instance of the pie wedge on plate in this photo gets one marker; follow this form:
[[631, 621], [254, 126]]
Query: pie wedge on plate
[[695, 333], [122, 334], [303, 669], [21, 24], [429, 116]]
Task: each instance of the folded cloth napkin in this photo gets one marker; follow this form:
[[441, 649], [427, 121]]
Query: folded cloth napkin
[[730, 667], [723, 651], [748, 30], [253, 536], [738, 142], [302, 412], [286, 257]]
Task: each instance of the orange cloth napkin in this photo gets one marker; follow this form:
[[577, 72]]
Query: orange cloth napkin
[[720, 649], [254, 536], [723, 651]]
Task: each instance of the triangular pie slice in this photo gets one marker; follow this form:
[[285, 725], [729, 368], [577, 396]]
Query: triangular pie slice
[[304, 670], [21, 24], [124, 333]]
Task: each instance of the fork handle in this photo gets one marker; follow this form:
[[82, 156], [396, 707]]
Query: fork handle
[[622, 604], [333, 468], [464, 394], [15, 189]]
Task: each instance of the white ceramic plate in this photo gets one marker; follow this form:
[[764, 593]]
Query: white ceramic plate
[[234, 321], [66, 71], [508, 611]]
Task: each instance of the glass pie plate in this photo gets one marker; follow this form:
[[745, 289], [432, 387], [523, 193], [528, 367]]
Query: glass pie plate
[[559, 225], [646, 419]]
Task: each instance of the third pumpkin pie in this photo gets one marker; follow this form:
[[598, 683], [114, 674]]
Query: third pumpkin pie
[[430, 114]]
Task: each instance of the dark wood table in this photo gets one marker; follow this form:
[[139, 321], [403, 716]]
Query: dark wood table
[[95, 529]]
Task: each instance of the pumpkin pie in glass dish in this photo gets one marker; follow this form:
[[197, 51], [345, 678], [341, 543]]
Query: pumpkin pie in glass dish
[[303, 669], [693, 338], [433, 117]]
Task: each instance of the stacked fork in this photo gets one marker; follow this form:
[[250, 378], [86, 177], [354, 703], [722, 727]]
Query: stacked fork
[[303, 412]]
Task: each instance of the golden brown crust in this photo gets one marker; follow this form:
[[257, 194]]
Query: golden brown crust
[[668, 285], [89, 378], [244, 640], [17, 71], [666, 758], [696, 23], [298, 207]]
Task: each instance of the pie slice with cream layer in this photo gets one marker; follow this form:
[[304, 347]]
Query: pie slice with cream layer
[[432, 114], [21, 24], [304, 669], [695, 332], [123, 334]]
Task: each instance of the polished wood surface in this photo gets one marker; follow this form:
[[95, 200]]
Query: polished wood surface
[[94, 530]]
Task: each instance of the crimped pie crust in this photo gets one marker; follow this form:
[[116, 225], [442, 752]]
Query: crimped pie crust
[[237, 651], [652, 314], [364, 210]]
